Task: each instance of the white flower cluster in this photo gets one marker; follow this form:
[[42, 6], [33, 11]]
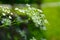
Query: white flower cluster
[[6, 15], [34, 13], [20, 10], [5, 9]]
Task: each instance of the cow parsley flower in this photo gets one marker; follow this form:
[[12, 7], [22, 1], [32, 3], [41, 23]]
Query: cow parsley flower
[[40, 10], [28, 5], [3, 14], [10, 17], [11, 13], [16, 9]]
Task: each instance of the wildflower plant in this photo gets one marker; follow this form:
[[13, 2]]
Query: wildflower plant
[[25, 23], [37, 19]]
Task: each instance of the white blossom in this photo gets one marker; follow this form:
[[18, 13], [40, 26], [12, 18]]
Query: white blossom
[[10, 17], [23, 11], [40, 10], [28, 5], [3, 14], [16, 9], [11, 13], [34, 14], [8, 11]]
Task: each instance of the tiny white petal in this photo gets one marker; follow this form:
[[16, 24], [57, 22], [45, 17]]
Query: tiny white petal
[[22, 11], [27, 5], [4, 14], [11, 13], [16, 8], [40, 10], [8, 11], [10, 17]]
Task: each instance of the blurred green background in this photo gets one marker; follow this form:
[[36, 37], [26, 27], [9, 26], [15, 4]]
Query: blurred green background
[[51, 9], [51, 1]]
